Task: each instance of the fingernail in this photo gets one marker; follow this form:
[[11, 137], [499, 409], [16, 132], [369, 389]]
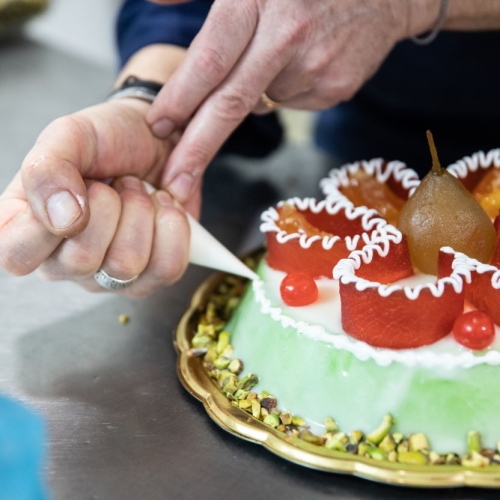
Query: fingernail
[[63, 210], [164, 199], [180, 187], [163, 128], [130, 182]]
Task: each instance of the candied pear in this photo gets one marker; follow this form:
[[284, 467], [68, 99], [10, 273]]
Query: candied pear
[[441, 212]]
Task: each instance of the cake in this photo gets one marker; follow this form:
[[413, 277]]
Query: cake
[[371, 365]]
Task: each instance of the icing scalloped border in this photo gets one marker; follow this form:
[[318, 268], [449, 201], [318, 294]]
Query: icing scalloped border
[[472, 163], [377, 167], [371, 222]]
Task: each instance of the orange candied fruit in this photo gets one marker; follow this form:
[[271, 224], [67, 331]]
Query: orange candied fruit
[[364, 190], [293, 221], [487, 192]]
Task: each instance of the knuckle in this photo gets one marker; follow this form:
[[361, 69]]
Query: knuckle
[[126, 262], [210, 64], [15, 261], [76, 264], [233, 106]]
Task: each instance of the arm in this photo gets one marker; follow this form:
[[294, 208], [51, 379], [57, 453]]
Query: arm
[[305, 54]]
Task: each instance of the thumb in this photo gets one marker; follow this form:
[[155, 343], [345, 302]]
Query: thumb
[[52, 180]]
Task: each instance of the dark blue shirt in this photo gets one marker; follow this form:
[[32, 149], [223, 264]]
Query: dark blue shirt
[[449, 86]]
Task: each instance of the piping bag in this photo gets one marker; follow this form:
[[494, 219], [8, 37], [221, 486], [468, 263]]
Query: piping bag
[[205, 250]]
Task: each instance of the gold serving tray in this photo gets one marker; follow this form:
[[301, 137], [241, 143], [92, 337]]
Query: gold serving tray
[[238, 422]]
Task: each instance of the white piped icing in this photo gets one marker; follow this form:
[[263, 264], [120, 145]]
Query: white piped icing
[[372, 224], [468, 265], [345, 271], [444, 354], [381, 170], [479, 160]]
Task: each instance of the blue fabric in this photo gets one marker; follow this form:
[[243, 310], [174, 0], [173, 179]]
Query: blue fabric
[[21, 453], [449, 86]]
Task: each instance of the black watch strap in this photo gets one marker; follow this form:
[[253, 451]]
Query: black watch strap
[[134, 87]]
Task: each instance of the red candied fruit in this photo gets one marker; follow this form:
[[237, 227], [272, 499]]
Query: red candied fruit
[[298, 289], [474, 330]]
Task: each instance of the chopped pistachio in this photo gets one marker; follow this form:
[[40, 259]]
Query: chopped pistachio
[[363, 448], [403, 446], [298, 421], [286, 418], [201, 341], [272, 420], [236, 366], [336, 441], [382, 430], [252, 396], [309, 437], [352, 448], [228, 352], [281, 428], [488, 453], [475, 459], [248, 381], [498, 446], [392, 456], [245, 404], [263, 412], [330, 425], [387, 444], [436, 458], [452, 459], [264, 394], [376, 453], [474, 442], [276, 411], [496, 459], [206, 330], [221, 363], [268, 403], [356, 437], [398, 437], [226, 377], [241, 394], [255, 408], [229, 389], [412, 457], [222, 342], [211, 355], [124, 319], [418, 442]]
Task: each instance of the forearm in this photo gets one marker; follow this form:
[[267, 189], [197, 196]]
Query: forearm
[[462, 15], [154, 62], [472, 15]]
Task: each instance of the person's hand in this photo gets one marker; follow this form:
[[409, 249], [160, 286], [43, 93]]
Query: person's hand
[[58, 216], [306, 54]]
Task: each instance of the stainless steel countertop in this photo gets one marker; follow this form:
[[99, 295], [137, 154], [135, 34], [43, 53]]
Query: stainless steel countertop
[[120, 426]]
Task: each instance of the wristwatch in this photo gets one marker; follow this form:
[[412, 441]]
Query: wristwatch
[[134, 87]]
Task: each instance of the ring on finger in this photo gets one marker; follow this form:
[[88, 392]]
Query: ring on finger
[[109, 283], [268, 102]]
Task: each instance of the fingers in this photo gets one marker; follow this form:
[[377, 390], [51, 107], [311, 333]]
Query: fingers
[[130, 233], [219, 116], [105, 141], [24, 242], [169, 251], [209, 60], [78, 258]]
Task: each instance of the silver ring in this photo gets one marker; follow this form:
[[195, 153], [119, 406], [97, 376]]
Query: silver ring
[[110, 283]]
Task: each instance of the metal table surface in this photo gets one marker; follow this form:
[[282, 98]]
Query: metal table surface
[[120, 426]]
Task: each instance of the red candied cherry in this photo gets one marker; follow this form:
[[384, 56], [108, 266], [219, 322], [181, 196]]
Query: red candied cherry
[[474, 330], [298, 289]]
